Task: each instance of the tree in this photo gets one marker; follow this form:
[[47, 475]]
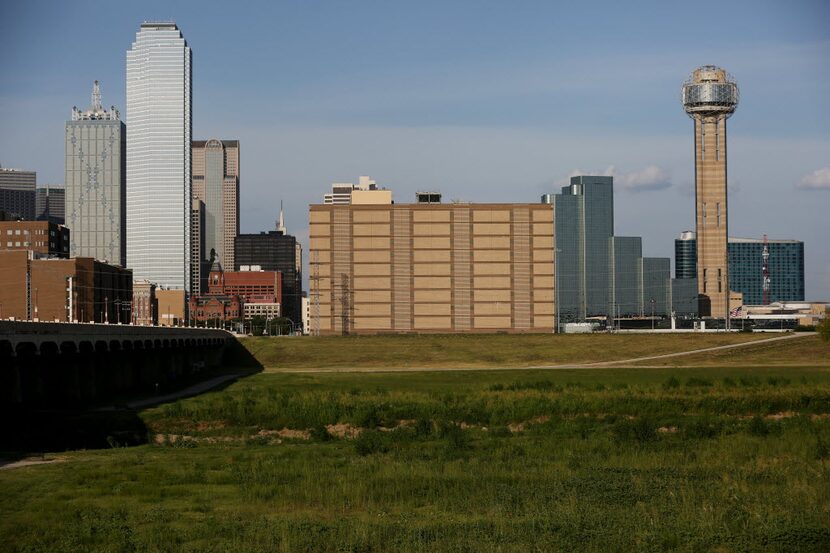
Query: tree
[[824, 328]]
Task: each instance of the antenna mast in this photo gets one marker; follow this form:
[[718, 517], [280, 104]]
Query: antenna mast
[[96, 97]]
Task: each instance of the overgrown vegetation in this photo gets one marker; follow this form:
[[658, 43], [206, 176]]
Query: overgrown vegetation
[[717, 459]]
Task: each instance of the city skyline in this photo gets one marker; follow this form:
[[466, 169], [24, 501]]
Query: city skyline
[[495, 119]]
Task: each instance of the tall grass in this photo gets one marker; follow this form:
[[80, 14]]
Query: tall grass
[[490, 461]]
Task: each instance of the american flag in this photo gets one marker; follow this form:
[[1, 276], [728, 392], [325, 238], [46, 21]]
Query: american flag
[[736, 312]]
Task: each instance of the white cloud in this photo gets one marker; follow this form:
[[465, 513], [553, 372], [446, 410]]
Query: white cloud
[[817, 180], [650, 177]]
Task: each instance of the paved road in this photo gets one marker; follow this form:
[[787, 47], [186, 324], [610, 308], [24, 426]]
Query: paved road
[[632, 361]]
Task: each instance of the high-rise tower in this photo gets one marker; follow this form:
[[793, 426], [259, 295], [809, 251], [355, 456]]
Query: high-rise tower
[[216, 183], [710, 96], [95, 210], [158, 155]]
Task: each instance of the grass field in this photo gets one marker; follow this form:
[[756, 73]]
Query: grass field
[[474, 350], [718, 459]]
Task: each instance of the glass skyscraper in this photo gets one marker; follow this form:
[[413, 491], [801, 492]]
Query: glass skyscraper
[[584, 220], [158, 155], [786, 267]]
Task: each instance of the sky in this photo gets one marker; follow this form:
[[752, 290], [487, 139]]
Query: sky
[[484, 101]]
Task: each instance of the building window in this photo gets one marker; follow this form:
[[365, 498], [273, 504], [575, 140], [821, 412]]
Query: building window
[[718, 209]]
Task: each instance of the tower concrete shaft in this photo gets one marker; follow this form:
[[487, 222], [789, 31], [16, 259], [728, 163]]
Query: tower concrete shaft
[[711, 218]]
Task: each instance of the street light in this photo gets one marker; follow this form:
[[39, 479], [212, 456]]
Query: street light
[[652, 314]]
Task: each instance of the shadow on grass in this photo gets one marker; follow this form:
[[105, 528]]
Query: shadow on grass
[[109, 422]]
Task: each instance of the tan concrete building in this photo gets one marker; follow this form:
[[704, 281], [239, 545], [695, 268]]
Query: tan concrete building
[[431, 268], [216, 183], [710, 96], [171, 307]]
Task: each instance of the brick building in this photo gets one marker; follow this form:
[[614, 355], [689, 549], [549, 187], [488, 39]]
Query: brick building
[[42, 237], [238, 293], [80, 289]]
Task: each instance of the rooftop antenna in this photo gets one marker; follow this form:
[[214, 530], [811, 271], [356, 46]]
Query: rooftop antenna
[[281, 221], [96, 97]]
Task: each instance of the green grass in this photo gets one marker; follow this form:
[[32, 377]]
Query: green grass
[[674, 459], [473, 350], [804, 351]]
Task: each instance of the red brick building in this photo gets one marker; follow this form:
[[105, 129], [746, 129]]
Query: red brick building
[[230, 292], [78, 289]]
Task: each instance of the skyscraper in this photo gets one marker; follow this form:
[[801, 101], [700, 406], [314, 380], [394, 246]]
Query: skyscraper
[[95, 207], [17, 194], [50, 204], [159, 155], [786, 267], [710, 96], [584, 226], [216, 183]]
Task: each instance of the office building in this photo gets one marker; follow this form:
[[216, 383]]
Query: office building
[[710, 97], [626, 276], [656, 287], [584, 227], [199, 265], [684, 300], [43, 238], [685, 256], [216, 183], [171, 306], [431, 267], [159, 156], [17, 194], [785, 266], [366, 191], [50, 202], [95, 177], [274, 251], [80, 289]]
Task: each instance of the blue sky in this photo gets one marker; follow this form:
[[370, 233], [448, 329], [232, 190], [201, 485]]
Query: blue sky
[[485, 101]]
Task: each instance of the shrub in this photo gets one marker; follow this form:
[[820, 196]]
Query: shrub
[[637, 430], [457, 440], [672, 382], [423, 427], [821, 451], [695, 381], [703, 428], [823, 329], [320, 433], [371, 441], [758, 426]]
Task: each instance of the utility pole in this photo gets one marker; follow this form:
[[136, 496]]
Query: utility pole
[[345, 303], [314, 286]]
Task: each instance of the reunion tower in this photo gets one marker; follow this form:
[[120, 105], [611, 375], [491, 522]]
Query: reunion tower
[[710, 96]]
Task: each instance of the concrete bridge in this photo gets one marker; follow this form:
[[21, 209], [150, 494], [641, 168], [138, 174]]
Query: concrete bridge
[[59, 364]]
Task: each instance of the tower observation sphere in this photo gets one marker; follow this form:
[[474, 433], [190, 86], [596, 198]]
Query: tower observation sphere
[[710, 92]]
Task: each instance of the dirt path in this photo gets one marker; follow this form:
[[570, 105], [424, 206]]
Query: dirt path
[[196, 389], [29, 462], [632, 362]]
